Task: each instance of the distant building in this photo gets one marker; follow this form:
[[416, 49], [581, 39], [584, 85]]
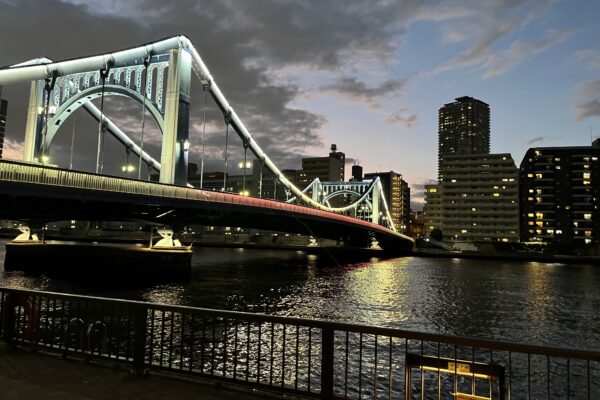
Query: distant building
[[417, 224], [560, 195], [394, 188], [463, 128], [327, 169], [3, 110], [357, 172], [405, 223]]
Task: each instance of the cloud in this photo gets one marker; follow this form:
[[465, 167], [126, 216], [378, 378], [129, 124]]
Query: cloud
[[486, 25], [589, 100], [282, 130], [358, 91], [518, 52], [402, 116], [537, 139], [12, 149], [417, 193], [591, 57]]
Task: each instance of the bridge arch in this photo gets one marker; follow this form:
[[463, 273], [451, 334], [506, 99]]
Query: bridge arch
[[342, 192], [89, 94]]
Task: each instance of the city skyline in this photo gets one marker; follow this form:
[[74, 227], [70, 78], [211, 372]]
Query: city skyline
[[370, 77]]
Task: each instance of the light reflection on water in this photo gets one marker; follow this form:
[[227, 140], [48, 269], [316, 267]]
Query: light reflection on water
[[552, 304]]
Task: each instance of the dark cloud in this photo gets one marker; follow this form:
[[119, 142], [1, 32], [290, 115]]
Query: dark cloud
[[242, 42], [402, 116], [537, 139], [358, 91]]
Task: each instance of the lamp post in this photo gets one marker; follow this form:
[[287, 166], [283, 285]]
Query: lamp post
[[127, 169]]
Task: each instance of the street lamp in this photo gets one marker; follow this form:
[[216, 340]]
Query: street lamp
[[127, 168]]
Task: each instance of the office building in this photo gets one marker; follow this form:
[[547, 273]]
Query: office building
[[560, 195], [395, 191], [463, 128], [327, 169], [405, 218]]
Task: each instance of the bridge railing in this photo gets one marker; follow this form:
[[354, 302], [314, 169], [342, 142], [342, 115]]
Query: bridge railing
[[311, 358], [17, 171]]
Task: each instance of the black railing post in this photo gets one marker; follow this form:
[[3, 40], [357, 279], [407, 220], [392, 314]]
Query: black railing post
[[327, 363], [8, 317], [139, 339]]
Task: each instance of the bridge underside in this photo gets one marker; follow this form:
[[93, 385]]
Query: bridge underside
[[43, 202]]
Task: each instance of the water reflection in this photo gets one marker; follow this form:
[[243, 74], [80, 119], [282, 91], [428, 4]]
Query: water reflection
[[553, 304]]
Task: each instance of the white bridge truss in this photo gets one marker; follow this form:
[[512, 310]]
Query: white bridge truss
[[169, 62], [364, 199]]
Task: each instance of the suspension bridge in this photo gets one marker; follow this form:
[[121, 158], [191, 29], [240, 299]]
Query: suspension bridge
[[159, 76]]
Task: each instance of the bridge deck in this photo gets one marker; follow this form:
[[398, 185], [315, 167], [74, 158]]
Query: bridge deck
[[36, 376]]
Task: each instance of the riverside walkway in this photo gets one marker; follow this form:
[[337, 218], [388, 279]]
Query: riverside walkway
[[24, 376]]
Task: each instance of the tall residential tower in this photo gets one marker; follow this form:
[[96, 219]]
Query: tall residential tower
[[464, 128]]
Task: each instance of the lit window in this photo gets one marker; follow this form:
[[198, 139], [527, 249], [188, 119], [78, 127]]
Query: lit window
[[496, 194], [473, 209], [463, 231], [539, 215], [530, 215], [586, 175], [530, 175], [538, 176], [587, 216]]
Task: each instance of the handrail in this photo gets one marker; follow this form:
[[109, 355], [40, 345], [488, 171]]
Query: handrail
[[306, 357], [19, 171], [336, 326]]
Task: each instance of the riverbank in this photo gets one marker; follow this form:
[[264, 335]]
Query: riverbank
[[524, 256]]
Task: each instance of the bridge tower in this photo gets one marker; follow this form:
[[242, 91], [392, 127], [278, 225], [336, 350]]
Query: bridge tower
[[53, 100]]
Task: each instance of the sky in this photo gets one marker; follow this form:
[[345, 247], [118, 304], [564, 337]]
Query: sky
[[368, 75]]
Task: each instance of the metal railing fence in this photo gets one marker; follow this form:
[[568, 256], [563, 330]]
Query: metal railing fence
[[312, 358], [17, 171]]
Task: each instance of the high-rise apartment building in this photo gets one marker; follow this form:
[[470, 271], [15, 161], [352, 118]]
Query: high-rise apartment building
[[480, 198], [463, 128], [560, 195], [3, 110]]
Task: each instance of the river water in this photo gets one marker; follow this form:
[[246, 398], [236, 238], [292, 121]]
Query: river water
[[529, 302]]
